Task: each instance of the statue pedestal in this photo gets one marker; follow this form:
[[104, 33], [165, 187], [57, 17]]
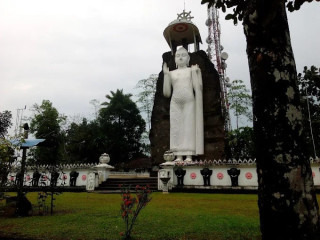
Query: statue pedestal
[[92, 181], [165, 177], [208, 175], [103, 170]]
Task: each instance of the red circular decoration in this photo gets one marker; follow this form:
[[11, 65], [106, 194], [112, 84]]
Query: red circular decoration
[[313, 174], [84, 177], [11, 178], [65, 177], [180, 27], [45, 178], [28, 177], [193, 175], [248, 175], [220, 175]]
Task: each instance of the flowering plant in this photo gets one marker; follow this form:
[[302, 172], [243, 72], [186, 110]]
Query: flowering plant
[[131, 206]]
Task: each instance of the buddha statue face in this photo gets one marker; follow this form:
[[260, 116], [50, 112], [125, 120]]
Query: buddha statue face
[[182, 57]]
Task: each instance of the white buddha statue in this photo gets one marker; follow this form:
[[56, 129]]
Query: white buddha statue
[[186, 107]]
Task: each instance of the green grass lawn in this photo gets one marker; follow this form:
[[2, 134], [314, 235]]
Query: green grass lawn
[[173, 216]]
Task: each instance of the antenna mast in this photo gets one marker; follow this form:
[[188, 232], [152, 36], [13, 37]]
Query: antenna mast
[[218, 58], [18, 126]]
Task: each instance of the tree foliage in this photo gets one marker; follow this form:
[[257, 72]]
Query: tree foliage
[[309, 86], [146, 96], [45, 123], [6, 161], [241, 143], [122, 126], [240, 6], [116, 131], [240, 100], [5, 122], [84, 142]]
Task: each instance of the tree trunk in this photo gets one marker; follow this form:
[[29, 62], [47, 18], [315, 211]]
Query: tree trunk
[[287, 201]]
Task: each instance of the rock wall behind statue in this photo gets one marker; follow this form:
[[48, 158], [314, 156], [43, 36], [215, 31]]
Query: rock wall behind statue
[[214, 134]]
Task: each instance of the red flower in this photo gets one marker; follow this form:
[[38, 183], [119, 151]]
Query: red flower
[[127, 203]]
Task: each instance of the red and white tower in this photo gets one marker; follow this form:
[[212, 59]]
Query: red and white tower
[[218, 58]]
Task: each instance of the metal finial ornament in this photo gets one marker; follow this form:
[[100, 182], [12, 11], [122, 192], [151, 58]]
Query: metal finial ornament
[[184, 15]]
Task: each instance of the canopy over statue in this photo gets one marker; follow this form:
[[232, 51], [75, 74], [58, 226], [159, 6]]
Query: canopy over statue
[[182, 31]]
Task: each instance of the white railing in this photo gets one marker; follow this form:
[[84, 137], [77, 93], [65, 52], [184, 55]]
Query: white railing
[[129, 174]]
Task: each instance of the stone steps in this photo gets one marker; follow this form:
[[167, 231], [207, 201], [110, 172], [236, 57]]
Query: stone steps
[[113, 184]]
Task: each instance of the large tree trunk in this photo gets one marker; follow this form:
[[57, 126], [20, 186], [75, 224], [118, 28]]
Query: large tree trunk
[[287, 200]]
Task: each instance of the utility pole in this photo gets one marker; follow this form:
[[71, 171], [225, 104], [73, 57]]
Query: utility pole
[[20, 206]]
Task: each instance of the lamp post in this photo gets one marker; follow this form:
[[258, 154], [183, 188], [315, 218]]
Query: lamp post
[[23, 205], [22, 170]]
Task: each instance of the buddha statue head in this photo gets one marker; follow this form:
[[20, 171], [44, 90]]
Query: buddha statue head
[[182, 58]]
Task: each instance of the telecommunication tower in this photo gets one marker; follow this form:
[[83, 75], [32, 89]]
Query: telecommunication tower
[[18, 125], [218, 58]]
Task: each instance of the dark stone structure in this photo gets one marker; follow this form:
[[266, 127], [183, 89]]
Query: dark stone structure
[[214, 134], [35, 178], [206, 174], [54, 178], [73, 178], [180, 175], [19, 178], [234, 175]]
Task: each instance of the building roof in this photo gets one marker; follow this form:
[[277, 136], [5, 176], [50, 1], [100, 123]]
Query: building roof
[[27, 143]]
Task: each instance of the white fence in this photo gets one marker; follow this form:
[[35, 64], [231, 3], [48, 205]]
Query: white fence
[[219, 178], [74, 175]]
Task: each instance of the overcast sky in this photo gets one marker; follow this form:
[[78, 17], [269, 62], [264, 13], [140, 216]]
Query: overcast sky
[[73, 51]]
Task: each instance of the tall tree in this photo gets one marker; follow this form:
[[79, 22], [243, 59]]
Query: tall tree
[[84, 142], [122, 126], [6, 161], [96, 105], [240, 101], [241, 143], [45, 123], [5, 122], [145, 102], [146, 96], [309, 86], [287, 200]]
